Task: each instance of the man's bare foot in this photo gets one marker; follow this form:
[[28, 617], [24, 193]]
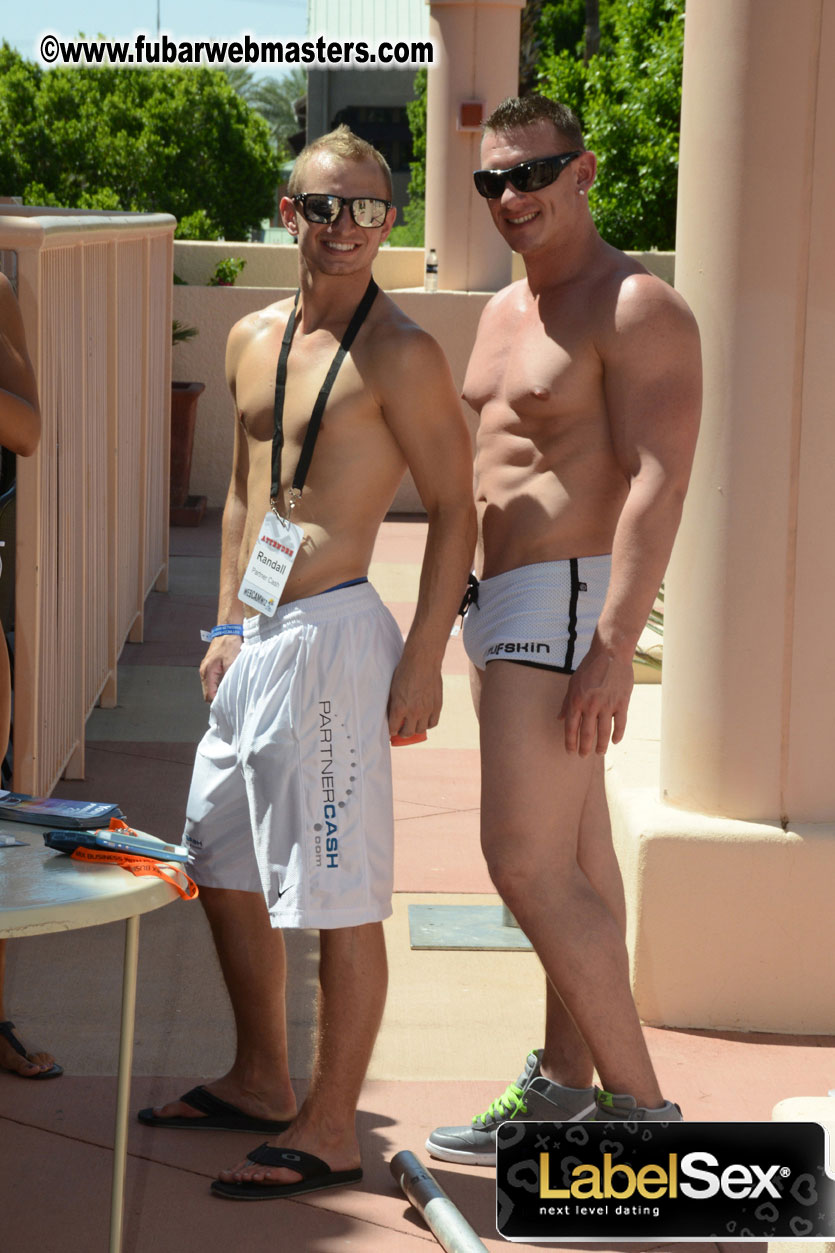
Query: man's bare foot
[[19, 1060]]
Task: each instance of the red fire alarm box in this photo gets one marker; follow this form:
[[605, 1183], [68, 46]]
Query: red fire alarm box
[[470, 115]]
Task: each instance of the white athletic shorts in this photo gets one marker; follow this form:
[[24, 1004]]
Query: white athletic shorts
[[291, 792], [539, 615]]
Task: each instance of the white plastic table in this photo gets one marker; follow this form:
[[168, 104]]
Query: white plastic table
[[43, 891]]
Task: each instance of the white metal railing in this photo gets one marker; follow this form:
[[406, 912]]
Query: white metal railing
[[92, 503]]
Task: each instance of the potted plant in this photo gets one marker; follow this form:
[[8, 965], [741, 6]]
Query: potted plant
[[226, 271], [184, 510], [181, 333]]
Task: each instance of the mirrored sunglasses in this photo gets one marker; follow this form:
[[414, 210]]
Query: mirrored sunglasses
[[526, 176], [320, 209]]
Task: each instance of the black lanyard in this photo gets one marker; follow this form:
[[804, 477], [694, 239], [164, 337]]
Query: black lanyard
[[360, 314]]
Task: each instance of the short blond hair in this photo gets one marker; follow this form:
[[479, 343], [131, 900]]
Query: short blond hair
[[343, 143]]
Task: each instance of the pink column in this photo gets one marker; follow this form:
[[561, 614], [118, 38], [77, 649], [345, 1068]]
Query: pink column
[[477, 58], [749, 676]]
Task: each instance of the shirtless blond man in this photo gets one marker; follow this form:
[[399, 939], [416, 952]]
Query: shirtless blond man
[[290, 811], [20, 430], [586, 376]]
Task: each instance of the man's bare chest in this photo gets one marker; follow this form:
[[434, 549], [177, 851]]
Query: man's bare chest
[[536, 370], [346, 400]]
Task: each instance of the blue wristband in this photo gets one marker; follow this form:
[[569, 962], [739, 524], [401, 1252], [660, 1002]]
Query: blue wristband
[[222, 628]]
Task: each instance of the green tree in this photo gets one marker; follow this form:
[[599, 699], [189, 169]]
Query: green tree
[[241, 80], [180, 141], [409, 233], [19, 86], [560, 26], [274, 99], [629, 99]]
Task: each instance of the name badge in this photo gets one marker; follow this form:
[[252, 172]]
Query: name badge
[[269, 566]]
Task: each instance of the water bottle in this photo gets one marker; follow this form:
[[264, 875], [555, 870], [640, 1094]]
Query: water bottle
[[430, 282]]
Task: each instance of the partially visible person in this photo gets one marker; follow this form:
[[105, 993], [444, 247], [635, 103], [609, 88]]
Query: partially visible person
[[586, 377], [20, 430]]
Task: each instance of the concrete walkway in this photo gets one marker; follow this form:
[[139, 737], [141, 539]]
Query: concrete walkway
[[457, 1028]]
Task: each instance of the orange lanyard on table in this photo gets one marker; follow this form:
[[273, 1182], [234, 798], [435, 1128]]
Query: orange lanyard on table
[[168, 871]]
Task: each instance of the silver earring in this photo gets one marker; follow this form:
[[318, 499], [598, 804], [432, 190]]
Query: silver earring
[[582, 193]]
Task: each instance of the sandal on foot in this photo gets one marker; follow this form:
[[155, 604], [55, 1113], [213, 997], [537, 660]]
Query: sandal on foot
[[218, 1115], [315, 1176], [8, 1034]]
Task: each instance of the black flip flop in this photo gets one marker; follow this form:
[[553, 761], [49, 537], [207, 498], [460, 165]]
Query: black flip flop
[[7, 1032], [218, 1115], [316, 1175]]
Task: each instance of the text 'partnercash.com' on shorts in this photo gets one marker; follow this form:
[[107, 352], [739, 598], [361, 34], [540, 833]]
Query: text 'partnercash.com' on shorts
[[144, 50]]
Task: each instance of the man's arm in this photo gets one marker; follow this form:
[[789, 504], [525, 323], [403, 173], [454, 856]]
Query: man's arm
[[424, 413], [652, 382], [223, 650], [20, 418]]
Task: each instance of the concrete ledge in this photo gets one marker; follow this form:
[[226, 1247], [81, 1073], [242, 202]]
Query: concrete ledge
[[730, 923], [819, 1109], [800, 1246], [277, 265], [451, 317]]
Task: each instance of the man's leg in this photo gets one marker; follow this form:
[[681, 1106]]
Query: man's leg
[[566, 1057], [34, 1063], [549, 853], [353, 977], [253, 962]]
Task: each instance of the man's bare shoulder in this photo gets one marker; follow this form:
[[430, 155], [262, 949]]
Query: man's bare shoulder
[[9, 311], [12, 336], [508, 302], [394, 337], [259, 322], [251, 328], [631, 301], [407, 371]]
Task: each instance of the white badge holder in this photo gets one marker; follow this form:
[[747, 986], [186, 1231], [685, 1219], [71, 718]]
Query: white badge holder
[[269, 566]]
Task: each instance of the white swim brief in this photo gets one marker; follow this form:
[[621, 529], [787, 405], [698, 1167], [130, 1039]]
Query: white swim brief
[[291, 792], [539, 615]]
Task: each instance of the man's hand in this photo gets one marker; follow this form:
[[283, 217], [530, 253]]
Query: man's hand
[[219, 657], [415, 697], [596, 702]]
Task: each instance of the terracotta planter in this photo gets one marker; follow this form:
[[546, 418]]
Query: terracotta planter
[[185, 510]]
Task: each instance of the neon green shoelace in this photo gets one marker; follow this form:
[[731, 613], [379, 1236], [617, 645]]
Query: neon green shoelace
[[508, 1105]]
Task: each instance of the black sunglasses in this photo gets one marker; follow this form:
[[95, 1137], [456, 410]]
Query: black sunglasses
[[526, 176], [320, 208]]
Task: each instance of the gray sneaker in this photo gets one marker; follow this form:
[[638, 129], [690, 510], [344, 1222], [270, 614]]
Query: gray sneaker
[[532, 1096], [621, 1108], [546, 1101]]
